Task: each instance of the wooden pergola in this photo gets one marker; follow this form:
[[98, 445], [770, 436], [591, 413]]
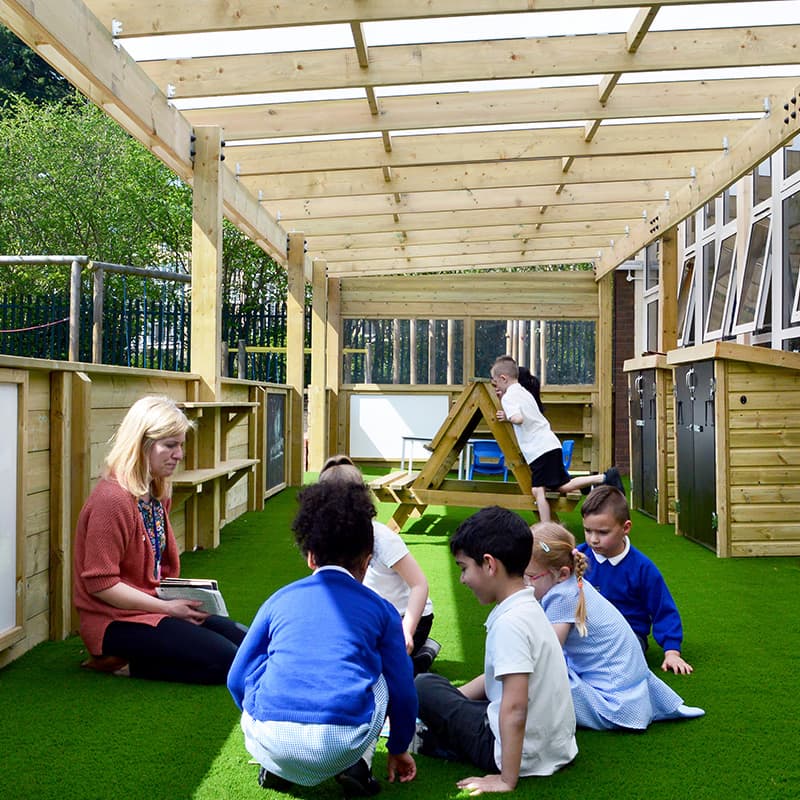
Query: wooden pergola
[[389, 159]]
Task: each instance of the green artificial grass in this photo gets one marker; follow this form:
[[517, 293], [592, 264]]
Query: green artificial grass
[[68, 733]]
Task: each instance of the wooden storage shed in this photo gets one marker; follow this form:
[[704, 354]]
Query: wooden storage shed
[[737, 426], [652, 438]]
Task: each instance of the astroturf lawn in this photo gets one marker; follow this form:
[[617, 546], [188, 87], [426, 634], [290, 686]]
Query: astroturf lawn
[[67, 733]]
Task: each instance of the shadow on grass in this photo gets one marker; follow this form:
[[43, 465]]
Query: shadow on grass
[[85, 735]]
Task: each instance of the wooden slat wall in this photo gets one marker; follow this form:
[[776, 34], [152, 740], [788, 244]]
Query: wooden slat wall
[[524, 295], [100, 397], [764, 447]]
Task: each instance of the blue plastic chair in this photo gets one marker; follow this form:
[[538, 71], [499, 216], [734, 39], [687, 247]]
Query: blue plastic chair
[[567, 446], [487, 459]]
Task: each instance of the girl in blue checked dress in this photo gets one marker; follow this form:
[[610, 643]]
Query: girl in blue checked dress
[[611, 684], [325, 659]]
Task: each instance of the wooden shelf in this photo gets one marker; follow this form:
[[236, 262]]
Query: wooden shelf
[[211, 470], [230, 405], [196, 477]]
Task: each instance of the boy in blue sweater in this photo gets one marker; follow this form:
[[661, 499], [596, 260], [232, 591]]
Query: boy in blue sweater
[[627, 578], [325, 659], [516, 718]]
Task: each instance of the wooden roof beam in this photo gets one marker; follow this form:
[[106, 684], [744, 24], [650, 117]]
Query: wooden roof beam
[[451, 263], [455, 177], [188, 16], [776, 128], [499, 59], [296, 210], [684, 98], [465, 236], [475, 248], [576, 213], [508, 146]]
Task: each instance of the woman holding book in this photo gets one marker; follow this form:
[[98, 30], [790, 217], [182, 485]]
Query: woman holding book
[[124, 545]]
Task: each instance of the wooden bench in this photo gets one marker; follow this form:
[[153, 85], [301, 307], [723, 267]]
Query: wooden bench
[[398, 487]]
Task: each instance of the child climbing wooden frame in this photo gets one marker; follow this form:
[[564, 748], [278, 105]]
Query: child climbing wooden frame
[[415, 491]]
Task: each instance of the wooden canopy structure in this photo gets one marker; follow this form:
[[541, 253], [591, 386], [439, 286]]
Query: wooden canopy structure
[[441, 149]]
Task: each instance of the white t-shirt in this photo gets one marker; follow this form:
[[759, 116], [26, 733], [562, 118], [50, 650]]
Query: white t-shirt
[[388, 549], [520, 639], [534, 435]]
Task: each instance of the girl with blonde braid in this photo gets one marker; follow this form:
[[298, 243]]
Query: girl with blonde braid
[[611, 684]]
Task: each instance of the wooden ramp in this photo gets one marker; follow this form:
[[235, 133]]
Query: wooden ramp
[[415, 491]]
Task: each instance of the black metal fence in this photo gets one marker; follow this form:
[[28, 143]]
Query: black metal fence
[[152, 332]]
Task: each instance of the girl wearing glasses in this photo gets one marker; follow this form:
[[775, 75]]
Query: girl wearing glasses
[[611, 684]]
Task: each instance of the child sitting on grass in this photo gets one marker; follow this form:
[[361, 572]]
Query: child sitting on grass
[[394, 574], [627, 578], [516, 719], [325, 657], [612, 686]]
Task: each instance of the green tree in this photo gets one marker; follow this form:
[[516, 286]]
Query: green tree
[[73, 182], [23, 72]]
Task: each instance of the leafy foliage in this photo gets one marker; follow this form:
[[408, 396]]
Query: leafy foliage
[[23, 72], [74, 183]]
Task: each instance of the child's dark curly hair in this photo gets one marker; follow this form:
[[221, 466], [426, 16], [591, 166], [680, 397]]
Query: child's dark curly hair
[[334, 523]]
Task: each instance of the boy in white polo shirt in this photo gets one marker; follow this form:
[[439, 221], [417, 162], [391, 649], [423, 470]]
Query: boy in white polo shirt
[[516, 719]]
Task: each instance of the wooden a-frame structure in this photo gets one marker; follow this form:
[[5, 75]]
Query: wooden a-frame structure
[[414, 491]]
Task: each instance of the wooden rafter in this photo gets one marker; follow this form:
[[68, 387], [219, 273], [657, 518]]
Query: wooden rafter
[[186, 16], [472, 61], [542, 172], [415, 182], [415, 112], [435, 149]]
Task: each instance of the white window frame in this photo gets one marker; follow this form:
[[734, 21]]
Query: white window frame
[[689, 285], [761, 279], [716, 333]]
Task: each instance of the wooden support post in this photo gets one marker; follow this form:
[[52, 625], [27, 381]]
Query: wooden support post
[[451, 351], [396, 350], [241, 359], [469, 350], [60, 503], [668, 292], [207, 260], [431, 351], [206, 508], [75, 311], [412, 347], [257, 448], [317, 418], [605, 369], [333, 369], [80, 459], [97, 315], [295, 355]]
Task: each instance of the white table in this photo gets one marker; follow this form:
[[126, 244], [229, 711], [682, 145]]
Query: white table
[[406, 440]]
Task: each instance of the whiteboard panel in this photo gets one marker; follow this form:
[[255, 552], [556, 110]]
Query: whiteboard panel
[[8, 507], [379, 422]]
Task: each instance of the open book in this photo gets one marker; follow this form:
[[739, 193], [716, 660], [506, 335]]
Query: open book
[[203, 589]]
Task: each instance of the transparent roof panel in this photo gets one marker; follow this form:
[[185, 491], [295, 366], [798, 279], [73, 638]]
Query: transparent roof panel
[[770, 71], [727, 15], [499, 26], [228, 43]]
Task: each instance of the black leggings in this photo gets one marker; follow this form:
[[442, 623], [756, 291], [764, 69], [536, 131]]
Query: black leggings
[[176, 650]]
